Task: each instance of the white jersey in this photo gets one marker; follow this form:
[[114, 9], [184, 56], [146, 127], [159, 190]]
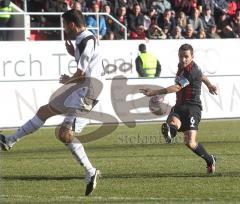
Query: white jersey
[[87, 54], [81, 96]]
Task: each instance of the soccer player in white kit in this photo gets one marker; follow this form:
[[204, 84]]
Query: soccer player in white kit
[[77, 94]]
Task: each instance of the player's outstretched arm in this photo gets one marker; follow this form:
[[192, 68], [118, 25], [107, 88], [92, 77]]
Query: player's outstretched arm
[[151, 92], [212, 88]]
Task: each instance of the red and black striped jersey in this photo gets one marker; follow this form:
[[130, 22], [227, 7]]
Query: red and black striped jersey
[[190, 79]]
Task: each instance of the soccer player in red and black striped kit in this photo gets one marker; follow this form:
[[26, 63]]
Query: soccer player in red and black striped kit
[[186, 114]]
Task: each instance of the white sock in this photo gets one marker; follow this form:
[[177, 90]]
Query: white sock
[[79, 124], [77, 150], [29, 127]]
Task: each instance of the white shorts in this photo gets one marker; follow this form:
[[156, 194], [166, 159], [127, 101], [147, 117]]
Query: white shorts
[[74, 100]]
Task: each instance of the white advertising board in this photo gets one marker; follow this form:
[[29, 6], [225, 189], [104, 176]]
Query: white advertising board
[[48, 60], [119, 99], [29, 72]]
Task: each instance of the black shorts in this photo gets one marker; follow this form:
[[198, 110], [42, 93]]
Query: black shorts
[[189, 115]]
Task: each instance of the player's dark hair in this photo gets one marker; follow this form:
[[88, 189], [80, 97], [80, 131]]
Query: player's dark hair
[[186, 47], [74, 16]]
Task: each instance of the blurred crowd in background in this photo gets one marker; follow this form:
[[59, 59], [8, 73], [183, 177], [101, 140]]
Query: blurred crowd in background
[[144, 19]]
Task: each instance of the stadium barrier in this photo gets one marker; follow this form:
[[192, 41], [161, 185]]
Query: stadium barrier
[[29, 73], [20, 23]]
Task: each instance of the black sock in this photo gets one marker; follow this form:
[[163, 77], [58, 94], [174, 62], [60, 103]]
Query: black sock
[[173, 130], [200, 151]]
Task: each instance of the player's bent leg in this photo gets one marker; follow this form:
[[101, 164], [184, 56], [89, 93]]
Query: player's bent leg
[[166, 132], [198, 149], [91, 185], [29, 127], [170, 128], [45, 112], [190, 139], [65, 134]]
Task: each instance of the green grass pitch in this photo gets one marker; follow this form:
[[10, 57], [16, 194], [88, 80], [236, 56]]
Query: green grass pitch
[[136, 166]]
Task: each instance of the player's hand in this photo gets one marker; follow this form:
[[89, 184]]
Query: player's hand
[[148, 92], [212, 89], [64, 78], [69, 46]]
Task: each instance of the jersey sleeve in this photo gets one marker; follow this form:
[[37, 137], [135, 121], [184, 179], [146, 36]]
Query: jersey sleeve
[[198, 74]]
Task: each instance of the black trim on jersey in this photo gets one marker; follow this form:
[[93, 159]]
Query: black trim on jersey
[[82, 45]]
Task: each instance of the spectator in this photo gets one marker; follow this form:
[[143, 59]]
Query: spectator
[[160, 6], [147, 65], [150, 18], [176, 5], [222, 22], [91, 21], [181, 21], [201, 34], [212, 32], [90, 3], [116, 4], [129, 5], [195, 21], [42, 21], [54, 20], [143, 5], [166, 32], [119, 31], [207, 18], [214, 12], [77, 5], [189, 34], [68, 3], [154, 33], [138, 34], [110, 24], [56, 6], [177, 33], [165, 21], [136, 22], [4, 18], [203, 4], [82, 6], [232, 7], [221, 6], [227, 32], [187, 6]]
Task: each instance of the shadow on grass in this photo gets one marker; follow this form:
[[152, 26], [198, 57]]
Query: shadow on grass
[[123, 176]]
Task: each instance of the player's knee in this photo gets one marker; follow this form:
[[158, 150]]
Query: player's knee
[[64, 134], [190, 144], [44, 112]]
